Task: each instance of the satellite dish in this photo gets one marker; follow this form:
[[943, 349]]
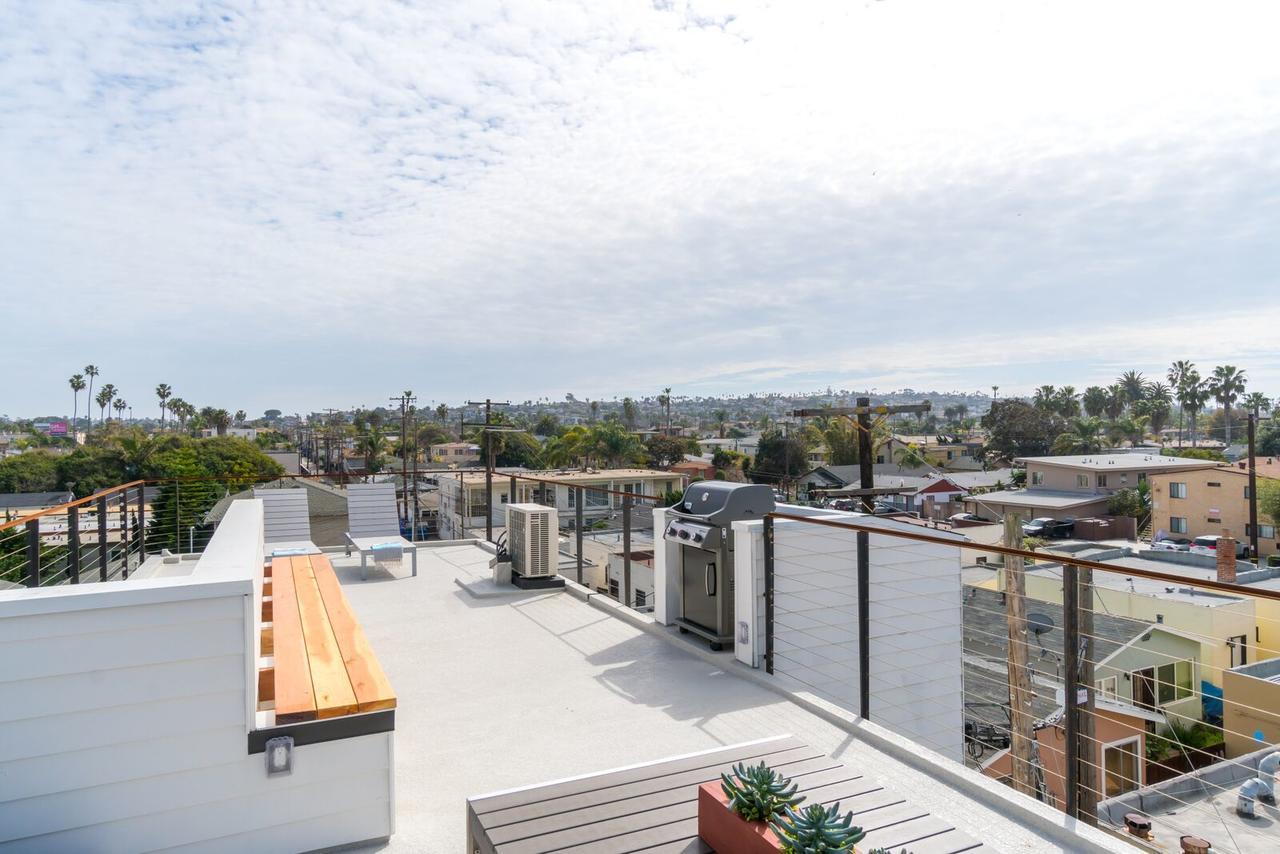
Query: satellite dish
[[1040, 623]]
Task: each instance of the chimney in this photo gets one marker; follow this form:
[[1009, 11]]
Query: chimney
[[1226, 559]]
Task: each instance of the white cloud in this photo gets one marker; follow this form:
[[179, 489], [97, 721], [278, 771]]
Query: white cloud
[[298, 205]]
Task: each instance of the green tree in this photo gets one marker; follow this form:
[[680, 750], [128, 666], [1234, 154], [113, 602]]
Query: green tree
[[163, 392], [721, 417], [103, 399], [1117, 400], [1018, 429], [1226, 385], [1130, 502], [1269, 440], [612, 444], [911, 457], [34, 471], [1044, 397], [1094, 401], [780, 458], [1257, 403], [665, 450], [442, 412], [1083, 436], [629, 413], [1269, 498], [1134, 386], [77, 386], [1065, 402], [1178, 373], [90, 371], [120, 406], [665, 400]]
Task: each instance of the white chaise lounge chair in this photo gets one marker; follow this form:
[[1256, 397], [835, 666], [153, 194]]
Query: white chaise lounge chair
[[286, 521], [374, 524]]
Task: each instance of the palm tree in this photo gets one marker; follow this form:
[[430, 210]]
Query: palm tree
[[1178, 373], [595, 409], [1095, 401], [240, 416], [107, 392], [1127, 429], [103, 399], [178, 408], [442, 412], [164, 393], [665, 400], [119, 406], [1156, 411], [90, 371], [629, 413], [77, 386], [219, 420], [1116, 400], [1044, 397], [1226, 385], [1256, 402], [1065, 402], [1134, 385], [1083, 436], [721, 417], [1193, 395], [911, 457]]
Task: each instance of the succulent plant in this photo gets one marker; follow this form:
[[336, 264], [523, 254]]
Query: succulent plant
[[816, 830], [757, 792]]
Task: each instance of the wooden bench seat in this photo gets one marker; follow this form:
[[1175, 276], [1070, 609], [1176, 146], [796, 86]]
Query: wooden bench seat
[[323, 665]]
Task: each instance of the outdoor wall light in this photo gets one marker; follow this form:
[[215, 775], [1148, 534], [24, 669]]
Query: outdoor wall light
[[279, 755]]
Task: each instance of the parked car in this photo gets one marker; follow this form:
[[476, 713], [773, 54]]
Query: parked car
[[1046, 528], [1208, 545], [1171, 544], [963, 517]]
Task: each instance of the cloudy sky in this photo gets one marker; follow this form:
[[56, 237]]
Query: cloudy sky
[[309, 204]]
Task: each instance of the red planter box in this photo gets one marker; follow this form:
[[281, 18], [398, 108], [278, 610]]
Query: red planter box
[[726, 831]]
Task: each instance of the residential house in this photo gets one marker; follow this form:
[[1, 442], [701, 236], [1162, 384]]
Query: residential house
[[15, 504], [1208, 501], [693, 469], [641, 576], [463, 506], [249, 433], [1070, 487], [1158, 670], [456, 453]]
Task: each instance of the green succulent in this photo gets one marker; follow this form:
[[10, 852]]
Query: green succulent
[[757, 792], [816, 830]]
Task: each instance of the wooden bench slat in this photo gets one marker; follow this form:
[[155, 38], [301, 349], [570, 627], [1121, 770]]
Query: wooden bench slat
[[811, 773], [369, 683], [295, 700], [730, 755], [788, 760], [330, 684]]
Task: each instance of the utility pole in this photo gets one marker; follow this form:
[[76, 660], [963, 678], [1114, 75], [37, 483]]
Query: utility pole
[[488, 461], [404, 400], [1022, 722], [1253, 490]]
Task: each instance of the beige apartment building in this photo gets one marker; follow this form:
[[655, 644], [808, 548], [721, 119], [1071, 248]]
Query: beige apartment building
[[1209, 501], [456, 453]]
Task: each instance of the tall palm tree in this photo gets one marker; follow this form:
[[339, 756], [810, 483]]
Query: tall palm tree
[[1193, 395], [1117, 398], [1256, 402], [77, 386], [1044, 397], [90, 371], [220, 420], [1134, 385], [665, 400], [103, 399], [164, 393], [442, 412], [721, 417], [1094, 400], [1178, 373], [1066, 403], [1226, 385], [119, 406], [241, 415], [629, 413]]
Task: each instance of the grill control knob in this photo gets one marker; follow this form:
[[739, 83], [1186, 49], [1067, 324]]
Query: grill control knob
[[698, 537], [684, 535]]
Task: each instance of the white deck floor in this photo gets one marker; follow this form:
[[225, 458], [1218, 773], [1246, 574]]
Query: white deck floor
[[505, 692]]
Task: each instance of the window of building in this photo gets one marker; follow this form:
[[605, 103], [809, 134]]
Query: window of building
[[1178, 524], [1037, 478], [950, 455], [1120, 764], [640, 599], [1102, 480], [1213, 483], [1142, 477], [1213, 520], [1267, 532], [595, 498], [1173, 681], [1239, 650], [1082, 480], [880, 459], [613, 587], [1124, 479], [1107, 687], [1177, 489], [1247, 493]]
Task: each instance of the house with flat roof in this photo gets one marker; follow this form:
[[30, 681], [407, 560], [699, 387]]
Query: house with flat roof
[[1071, 487], [455, 453], [1200, 502]]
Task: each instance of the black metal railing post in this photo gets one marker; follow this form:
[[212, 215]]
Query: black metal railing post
[[142, 523], [1071, 668], [73, 544], [124, 532], [577, 527], [864, 625], [768, 594], [626, 551], [102, 538], [33, 552], [511, 492]]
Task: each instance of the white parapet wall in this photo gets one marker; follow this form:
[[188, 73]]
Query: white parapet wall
[[125, 709]]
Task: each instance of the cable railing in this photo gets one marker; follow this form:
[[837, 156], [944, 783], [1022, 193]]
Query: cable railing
[[1125, 706]]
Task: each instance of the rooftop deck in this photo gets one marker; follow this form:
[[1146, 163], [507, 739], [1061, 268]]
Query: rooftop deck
[[510, 691]]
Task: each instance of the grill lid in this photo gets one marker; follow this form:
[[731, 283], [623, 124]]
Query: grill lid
[[719, 502]]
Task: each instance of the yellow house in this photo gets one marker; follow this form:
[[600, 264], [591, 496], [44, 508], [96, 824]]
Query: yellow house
[[1209, 501], [1251, 707]]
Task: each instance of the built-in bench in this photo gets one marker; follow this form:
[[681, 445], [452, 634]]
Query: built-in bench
[[321, 665]]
